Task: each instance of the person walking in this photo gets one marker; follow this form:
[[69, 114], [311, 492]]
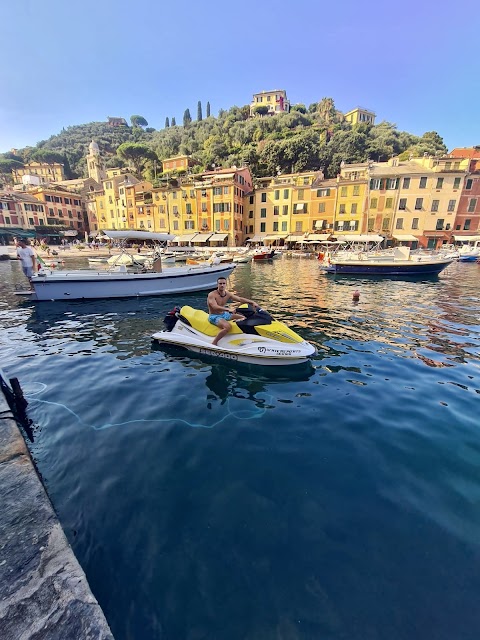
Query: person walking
[[27, 257]]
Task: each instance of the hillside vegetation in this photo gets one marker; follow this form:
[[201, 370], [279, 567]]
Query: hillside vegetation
[[302, 140]]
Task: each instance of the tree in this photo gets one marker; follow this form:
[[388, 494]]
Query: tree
[[326, 110], [208, 109], [174, 123], [48, 156], [6, 167], [138, 121], [167, 123], [199, 111], [187, 118], [299, 107], [137, 154], [261, 110]]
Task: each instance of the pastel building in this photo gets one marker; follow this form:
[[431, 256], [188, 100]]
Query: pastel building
[[467, 221], [276, 101], [46, 172], [177, 163], [360, 116]]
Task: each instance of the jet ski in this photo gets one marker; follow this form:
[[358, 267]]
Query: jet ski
[[258, 339]]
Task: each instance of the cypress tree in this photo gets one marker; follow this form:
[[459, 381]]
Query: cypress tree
[[199, 111], [167, 122], [174, 124], [187, 118], [208, 109]]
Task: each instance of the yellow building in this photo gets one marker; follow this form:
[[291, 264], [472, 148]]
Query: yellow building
[[322, 212], [177, 163], [45, 171], [276, 101], [351, 199], [111, 201], [360, 116]]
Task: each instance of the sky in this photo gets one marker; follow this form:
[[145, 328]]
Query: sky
[[414, 63]]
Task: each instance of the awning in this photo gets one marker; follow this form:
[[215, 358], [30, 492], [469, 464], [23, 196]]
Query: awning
[[300, 206], [69, 233], [466, 238], [21, 233], [318, 237], [256, 239], [188, 237], [202, 237], [277, 236], [136, 235], [407, 237], [218, 237], [296, 237], [360, 238], [435, 234]]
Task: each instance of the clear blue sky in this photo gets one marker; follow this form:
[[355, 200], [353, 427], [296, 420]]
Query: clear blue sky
[[414, 63]]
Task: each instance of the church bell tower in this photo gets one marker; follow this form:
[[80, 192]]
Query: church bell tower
[[95, 165]]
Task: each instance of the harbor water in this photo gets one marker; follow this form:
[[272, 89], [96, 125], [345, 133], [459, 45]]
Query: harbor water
[[211, 500]]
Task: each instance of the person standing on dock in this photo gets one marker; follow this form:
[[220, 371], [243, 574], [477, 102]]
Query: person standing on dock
[[27, 257]]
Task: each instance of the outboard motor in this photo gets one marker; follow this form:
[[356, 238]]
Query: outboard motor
[[253, 318], [171, 318]]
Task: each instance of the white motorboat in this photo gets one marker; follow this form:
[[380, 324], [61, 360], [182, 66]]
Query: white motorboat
[[118, 282], [259, 339]]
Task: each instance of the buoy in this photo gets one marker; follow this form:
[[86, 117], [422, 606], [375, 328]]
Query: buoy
[[356, 295]]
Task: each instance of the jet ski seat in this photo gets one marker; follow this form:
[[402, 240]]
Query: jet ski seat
[[198, 319]]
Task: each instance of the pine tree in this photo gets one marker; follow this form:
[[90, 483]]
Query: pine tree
[[167, 122], [208, 109], [174, 124], [187, 118], [199, 111]]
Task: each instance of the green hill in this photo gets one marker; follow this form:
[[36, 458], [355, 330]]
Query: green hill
[[304, 139]]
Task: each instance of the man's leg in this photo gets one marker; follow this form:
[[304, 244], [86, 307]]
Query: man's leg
[[224, 329]]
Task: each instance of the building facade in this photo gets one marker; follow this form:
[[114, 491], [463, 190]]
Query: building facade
[[276, 101], [46, 172], [360, 116]]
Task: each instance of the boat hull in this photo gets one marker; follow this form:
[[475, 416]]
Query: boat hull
[[405, 268], [88, 284]]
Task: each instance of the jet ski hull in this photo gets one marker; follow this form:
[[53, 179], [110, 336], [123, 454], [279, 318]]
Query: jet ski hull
[[238, 346]]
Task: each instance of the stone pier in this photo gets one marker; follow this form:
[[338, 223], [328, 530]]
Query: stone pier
[[44, 594]]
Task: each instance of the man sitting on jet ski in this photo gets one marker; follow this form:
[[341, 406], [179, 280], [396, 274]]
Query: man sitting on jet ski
[[219, 313]]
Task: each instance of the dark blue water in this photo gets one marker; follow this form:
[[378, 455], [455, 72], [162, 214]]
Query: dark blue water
[[209, 501]]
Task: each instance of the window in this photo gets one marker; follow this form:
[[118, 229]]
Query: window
[[323, 193], [466, 226], [305, 181], [174, 195], [392, 183], [402, 205], [456, 183], [217, 191], [275, 226], [385, 224], [175, 209], [321, 207], [354, 208], [373, 203], [343, 192], [419, 204], [468, 184], [399, 223], [435, 204], [341, 208], [423, 183], [264, 197], [375, 183], [262, 227], [356, 190], [415, 223], [406, 183], [204, 206], [277, 194], [285, 210], [217, 225], [286, 193], [263, 213], [456, 166], [276, 210], [188, 208], [251, 199], [300, 194], [451, 205], [472, 204], [189, 224], [439, 183], [448, 166], [226, 224], [162, 208], [299, 226], [225, 191], [221, 207], [284, 225], [192, 193], [388, 203], [439, 225]]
